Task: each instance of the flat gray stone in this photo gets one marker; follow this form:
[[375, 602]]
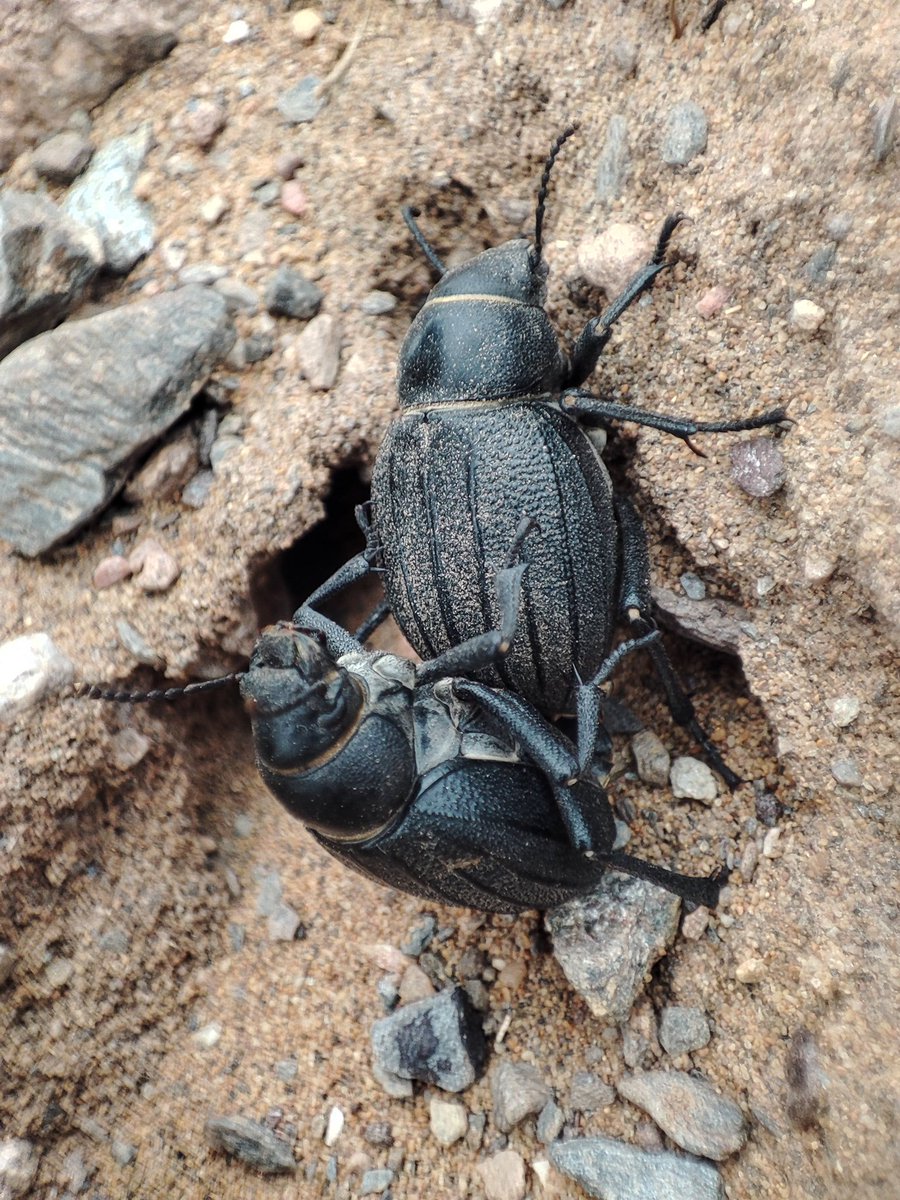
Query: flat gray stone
[[689, 1110], [683, 1029], [612, 169], [79, 404], [685, 134], [613, 1170], [104, 200], [518, 1091], [607, 941], [46, 261], [253, 1143]]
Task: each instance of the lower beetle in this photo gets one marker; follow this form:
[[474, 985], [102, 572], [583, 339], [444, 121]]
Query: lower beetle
[[431, 783]]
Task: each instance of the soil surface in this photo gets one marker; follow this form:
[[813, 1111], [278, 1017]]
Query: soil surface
[[147, 993]]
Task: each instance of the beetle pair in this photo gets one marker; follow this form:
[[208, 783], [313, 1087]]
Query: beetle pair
[[507, 557]]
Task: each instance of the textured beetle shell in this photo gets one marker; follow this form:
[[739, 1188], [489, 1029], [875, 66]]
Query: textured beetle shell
[[449, 489]]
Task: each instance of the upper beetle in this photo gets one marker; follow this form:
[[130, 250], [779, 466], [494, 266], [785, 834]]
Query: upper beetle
[[495, 426]]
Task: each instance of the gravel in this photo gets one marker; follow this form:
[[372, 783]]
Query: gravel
[[683, 1029], [518, 1091], [612, 1170], [252, 1142], [438, 1040], [689, 1110]]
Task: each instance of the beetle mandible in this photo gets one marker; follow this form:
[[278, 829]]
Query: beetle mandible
[[495, 425]]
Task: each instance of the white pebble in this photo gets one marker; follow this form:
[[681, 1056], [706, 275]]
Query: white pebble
[[30, 667], [237, 31], [806, 316], [334, 1126]]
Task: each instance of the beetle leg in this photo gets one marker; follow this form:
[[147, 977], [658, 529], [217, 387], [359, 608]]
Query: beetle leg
[[579, 402], [589, 696], [357, 568], [379, 613], [597, 332], [697, 889], [337, 640], [636, 606], [409, 216]]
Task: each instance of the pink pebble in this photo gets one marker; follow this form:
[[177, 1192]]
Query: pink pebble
[[110, 571], [713, 301], [293, 197], [155, 569]]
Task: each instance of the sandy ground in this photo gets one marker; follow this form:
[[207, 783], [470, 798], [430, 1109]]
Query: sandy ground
[[123, 884]]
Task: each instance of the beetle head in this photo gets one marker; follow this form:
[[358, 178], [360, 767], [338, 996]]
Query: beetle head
[[300, 701]]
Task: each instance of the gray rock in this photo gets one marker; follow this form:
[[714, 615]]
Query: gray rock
[[239, 296], [400, 1089], [18, 1166], [253, 1143], [63, 157], [101, 391], [689, 1110], [30, 667], [613, 1170], [685, 134], [46, 261], [693, 586], [449, 1120], [124, 1153], [136, 644], [711, 622], [588, 1093], [846, 772], [376, 1181], [300, 103], [683, 1029], [381, 1133], [612, 169], [651, 759], [607, 941], [267, 192], [421, 937], [319, 351], [550, 1122], [438, 1040], [270, 892], [692, 780], [284, 923], [503, 1176], [757, 467], [103, 199], [518, 1091], [291, 294], [377, 304]]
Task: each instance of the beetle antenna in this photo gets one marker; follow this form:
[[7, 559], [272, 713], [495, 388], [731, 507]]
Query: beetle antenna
[[409, 215], [92, 691], [544, 188]]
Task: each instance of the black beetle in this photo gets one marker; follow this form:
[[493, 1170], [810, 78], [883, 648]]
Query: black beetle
[[494, 426], [439, 786]]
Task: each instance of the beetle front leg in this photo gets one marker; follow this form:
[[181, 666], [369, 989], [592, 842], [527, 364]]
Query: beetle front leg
[[589, 695], [598, 331], [636, 606], [483, 650]]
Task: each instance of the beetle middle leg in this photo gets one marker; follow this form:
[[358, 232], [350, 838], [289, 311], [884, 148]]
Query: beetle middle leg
[[636, 606]]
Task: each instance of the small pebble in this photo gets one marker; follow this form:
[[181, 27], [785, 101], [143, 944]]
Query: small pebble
[[388, 992], [689, 1110], [287, 1069], [518, 1091], [205, 121], [318, 350], [503, 1176], [288, 164], [683, 1029], [550, 1122], [293, 198], [239, 297], [693, 586], [301, 103], [165, 472], [449, 1121], [713, 301], [252, 1142], [806, 316], [283, 924], [616, 1171], [379, 1133], [291, 294], [334, 1126], [695, 923], [685, 134], [305, 24], [588, 1093], [30, 668], [267, 193], [751, 970], [196, 491], [846, 772], [609, 260], [770, 847], [63, 157], [237, 31], [127, 748], [208, 1036], [214, 209], [818, 567], [757, 467], [844, 711], [807, 1082], [376, 1181], [110, 571], [415, 985], [439, 1041], [123, 1153], [377, 304], [651, 758], [154, 569], [748, 861], [624, 54], [135, 644], [692, 779]]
